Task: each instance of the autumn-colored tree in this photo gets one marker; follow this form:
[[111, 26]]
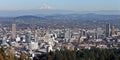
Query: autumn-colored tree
[[1, 57]]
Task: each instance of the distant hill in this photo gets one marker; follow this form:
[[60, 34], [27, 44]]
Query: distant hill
[[45, 12], [22, 19], [89, 16], [28, 17], [38, 12], [62, 17]]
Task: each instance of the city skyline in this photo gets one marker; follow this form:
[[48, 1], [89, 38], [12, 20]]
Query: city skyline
[[77, 5], [59, 30]]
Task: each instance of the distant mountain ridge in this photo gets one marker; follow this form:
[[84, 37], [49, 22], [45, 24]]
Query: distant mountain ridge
[[45, 12], [69, 17]]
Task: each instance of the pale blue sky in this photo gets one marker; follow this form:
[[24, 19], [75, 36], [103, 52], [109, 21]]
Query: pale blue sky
[[77, 5]]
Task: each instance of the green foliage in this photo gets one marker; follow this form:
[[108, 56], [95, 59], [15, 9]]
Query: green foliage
[[85, 54]]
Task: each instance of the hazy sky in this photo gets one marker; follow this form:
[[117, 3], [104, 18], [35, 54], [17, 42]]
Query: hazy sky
[[77, 5]]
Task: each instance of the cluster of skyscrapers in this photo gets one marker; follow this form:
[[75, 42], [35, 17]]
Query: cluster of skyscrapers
[[41, 39]]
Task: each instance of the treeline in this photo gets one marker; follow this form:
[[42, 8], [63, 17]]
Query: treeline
[[85, 54], [8, 55]]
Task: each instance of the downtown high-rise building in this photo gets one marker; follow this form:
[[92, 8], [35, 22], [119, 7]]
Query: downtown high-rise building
[[28, 37], [112, 31], [84, 32], [13, 31], [99, 32], [108, 30], [68, 35]]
